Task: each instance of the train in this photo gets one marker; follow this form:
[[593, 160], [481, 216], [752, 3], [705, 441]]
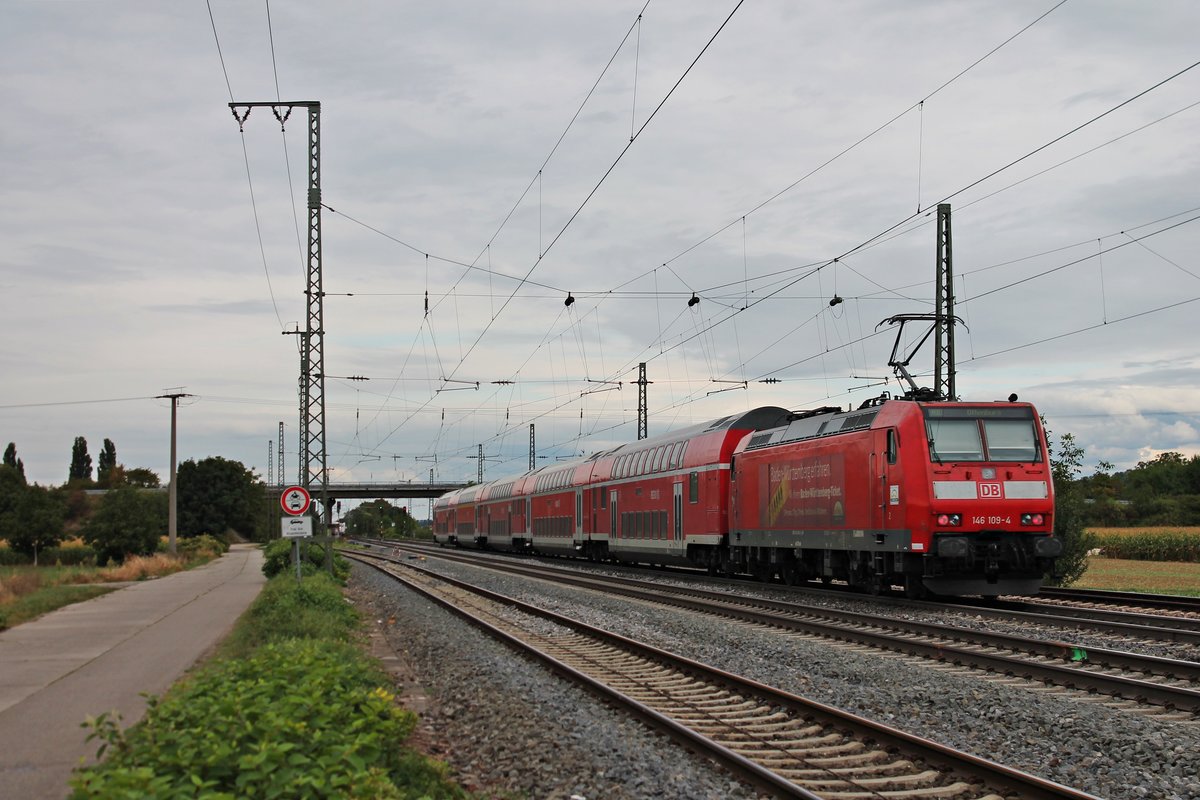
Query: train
[[925, 497]]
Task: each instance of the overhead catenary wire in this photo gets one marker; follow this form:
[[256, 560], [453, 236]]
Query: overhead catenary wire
[[656, 293], [246, 158]]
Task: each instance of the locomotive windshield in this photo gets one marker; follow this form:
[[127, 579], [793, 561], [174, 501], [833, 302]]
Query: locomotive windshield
[[982, 434]]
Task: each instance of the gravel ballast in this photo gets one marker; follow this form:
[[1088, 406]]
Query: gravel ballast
[[508, 727], [1108, 752]]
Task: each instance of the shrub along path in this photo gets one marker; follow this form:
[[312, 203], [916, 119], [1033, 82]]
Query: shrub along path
[[100, 656]]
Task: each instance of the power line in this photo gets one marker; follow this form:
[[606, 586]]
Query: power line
[[77, 402], [599, 183], [246, 158]]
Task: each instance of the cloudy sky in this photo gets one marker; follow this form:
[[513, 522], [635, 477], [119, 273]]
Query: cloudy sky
[[783, 152]]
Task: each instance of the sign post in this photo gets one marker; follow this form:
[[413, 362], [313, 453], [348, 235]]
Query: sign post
[[295, 501]]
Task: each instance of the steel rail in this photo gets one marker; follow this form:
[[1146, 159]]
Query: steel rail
[[1138, 599], [989, 773]]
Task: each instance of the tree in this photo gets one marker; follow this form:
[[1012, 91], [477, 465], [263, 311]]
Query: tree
[[141, 477], [11, 460], [81, 462], [379, 518], [107, 462], [1068, 512], [216, 495], [129, 522], [12, 487], [35, 523]]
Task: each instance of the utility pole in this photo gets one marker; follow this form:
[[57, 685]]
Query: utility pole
[[270, 463], [480, 463], [173, 486], [943, 356], [642, 383], [532, 455], [280, 441]]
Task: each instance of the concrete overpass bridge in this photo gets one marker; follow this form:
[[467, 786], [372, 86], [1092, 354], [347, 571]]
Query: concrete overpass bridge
[[369, 491]]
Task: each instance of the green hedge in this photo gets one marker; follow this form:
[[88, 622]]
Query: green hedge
[[72, 556], [306, 715], [1151, 546], [277, 559]]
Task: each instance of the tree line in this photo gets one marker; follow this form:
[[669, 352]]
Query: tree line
[[216, 496], [1164, 491]]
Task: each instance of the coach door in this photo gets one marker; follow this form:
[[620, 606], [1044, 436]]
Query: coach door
[[578, 513], [613, 530], [677, 527]]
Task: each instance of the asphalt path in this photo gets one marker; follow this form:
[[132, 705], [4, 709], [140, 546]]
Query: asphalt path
[[99, 656]]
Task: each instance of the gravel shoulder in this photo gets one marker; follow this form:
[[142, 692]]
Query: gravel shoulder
[[509, 728]]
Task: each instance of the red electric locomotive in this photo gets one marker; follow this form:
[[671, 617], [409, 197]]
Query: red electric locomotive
[[944, 497]]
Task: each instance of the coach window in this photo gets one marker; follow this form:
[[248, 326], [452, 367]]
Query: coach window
[[677, 456], [694, 487], [658, 458]]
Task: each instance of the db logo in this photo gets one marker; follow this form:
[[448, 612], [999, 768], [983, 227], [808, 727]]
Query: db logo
[[990, 490]]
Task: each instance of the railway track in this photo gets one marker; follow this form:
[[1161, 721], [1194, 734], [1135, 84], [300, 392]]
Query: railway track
[[1184, 609], [780, 742], [1167, 688], [1127, 622]]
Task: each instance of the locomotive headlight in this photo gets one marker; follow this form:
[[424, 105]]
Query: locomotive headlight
[[1033, 519], [949, 520]]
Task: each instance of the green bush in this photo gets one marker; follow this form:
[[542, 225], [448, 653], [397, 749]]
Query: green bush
[[311, 609], [202, 546], [304, 715], [1151, 546], [277, 559], [68, 556], [11, 558], [299, 719]]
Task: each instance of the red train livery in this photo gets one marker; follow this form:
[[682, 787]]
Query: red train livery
[[946, 498]]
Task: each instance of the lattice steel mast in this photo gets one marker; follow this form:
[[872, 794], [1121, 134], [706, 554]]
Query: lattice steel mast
[[943, 359], [643, 412], [313, 459]]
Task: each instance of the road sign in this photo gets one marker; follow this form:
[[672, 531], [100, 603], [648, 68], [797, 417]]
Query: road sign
[[295, 500], [297, 527]]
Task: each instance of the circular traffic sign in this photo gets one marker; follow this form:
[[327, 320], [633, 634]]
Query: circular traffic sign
[[295, 500]]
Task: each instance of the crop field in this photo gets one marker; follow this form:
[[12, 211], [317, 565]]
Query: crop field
[[1124, 575], [1181, 530]]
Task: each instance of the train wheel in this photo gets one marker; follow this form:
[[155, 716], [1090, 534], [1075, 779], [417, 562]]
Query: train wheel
[[914, 588]]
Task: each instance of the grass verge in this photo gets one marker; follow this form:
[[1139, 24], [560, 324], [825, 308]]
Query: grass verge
[[1157, 577], [27, 592], [290, 708]]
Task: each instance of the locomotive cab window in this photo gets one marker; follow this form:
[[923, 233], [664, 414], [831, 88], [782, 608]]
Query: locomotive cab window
[[955, 440], [982, 434], [1010, 440]]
